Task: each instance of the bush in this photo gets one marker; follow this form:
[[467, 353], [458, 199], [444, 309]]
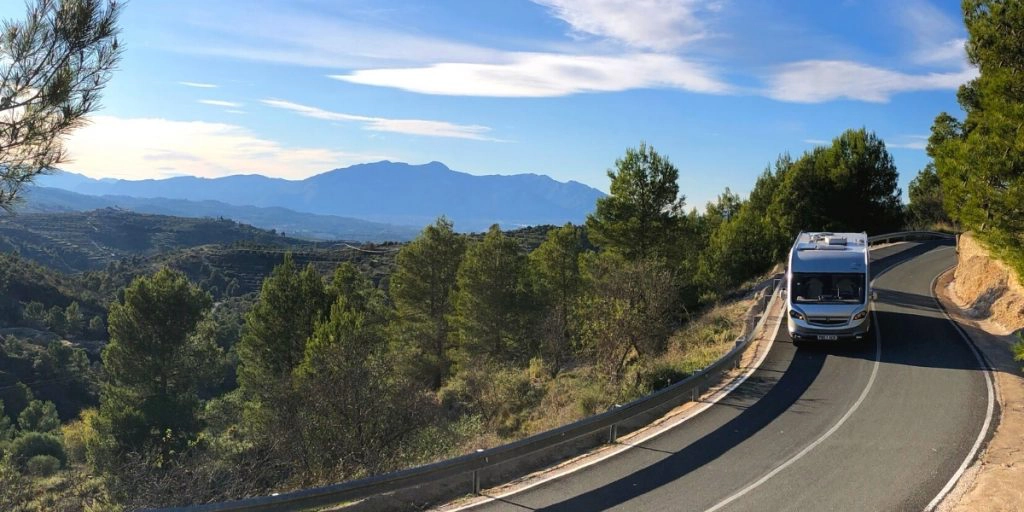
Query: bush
[[78, 435], [36, 443], [42, 465]]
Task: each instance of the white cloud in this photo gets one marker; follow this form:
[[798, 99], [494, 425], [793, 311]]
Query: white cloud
[[138, 148], [221, 103], [938, 39], [818, 142], [380, 124], [546, 75], [918, 142], [198, 84], [816, 81], [288, 36], [651, 24]]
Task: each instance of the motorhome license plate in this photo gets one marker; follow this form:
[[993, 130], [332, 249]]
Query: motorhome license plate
[[827, 337]]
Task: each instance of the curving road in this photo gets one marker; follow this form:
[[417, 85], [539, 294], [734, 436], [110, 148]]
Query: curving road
[[881, 426]]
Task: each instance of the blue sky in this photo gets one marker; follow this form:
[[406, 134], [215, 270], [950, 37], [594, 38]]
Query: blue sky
[[557, 87]]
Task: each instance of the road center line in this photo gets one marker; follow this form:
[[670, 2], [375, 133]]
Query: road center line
[[826, 435]]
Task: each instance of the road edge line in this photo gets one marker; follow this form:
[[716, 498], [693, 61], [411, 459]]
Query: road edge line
[[990, 408]]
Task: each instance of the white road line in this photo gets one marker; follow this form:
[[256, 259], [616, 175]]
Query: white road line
[[827, 434], [988, 412], [640, 439]]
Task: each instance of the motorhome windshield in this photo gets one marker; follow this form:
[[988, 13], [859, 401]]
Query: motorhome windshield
[[817, 288]]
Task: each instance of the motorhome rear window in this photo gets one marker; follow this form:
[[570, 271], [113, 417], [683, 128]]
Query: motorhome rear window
[[818, 288]]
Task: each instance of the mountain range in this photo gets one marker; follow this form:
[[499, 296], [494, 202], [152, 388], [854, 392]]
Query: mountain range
[[383, 192], [296, 224]]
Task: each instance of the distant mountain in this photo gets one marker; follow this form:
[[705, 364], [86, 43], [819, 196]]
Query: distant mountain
[[304, 225], [390, 192]]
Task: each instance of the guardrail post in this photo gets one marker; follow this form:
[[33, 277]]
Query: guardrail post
[[476, 481], [613, 433]]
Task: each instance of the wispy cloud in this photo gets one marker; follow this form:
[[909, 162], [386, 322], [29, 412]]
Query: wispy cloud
[[816, 81], [199, 85], [818, 142], [138, 148], [937, 37], [918, 142], [380, 124], [286, 35], [235, 111], [546, 75], [660, 25], [221, 103]]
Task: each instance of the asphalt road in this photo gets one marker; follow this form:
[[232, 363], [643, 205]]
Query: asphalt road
[[877, 426]]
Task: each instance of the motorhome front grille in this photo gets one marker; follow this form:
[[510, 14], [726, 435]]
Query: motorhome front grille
[[827, 320]]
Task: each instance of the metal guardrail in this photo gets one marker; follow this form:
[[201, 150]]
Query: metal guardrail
[[909, 235], [613, 423]]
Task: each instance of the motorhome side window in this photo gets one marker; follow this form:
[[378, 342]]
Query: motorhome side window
[[816, 288]]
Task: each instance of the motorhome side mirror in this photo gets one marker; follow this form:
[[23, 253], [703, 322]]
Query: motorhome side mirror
[[874, 295]]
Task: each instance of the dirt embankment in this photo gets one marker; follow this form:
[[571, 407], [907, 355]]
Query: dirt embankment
[[987, 289], [987, 300]]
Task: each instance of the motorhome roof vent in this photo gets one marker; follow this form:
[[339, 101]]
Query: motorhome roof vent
[[835, 240]]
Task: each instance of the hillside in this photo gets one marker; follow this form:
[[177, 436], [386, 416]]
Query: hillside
[[296, 224], [79, 241], [389, 192]]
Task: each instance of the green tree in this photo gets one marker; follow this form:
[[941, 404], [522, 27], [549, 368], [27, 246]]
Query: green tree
[[6, 428], [641, 217], [35, 313], [422, 288], [627, 311], [848, 186], [273, 344], [353, 408], [555, 268], [926, 203], [492, 301], [55, 320], [53, 67], [73, 318], [97, 327], [39, 416], [274, 336], [980, 160], [155, 365]]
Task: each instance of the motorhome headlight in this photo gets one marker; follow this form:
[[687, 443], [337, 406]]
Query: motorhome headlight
[[861, 315], [796, 314]]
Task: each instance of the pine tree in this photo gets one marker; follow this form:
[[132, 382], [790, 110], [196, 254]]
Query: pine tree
[[154, 365], [53, 67], [641, 218], [492, 304], [555, 269], [422, 288]]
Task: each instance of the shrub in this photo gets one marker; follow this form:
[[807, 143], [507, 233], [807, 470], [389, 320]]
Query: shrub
[[78, 435], [36, 443], [42, 465]]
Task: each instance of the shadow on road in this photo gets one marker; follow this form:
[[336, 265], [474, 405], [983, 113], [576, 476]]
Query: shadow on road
[[910, 339]]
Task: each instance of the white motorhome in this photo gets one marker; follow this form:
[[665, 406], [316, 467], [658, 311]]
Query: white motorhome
[[828, 287]]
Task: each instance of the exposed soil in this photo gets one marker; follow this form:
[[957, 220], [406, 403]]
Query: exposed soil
[[987, 300], [987, 289]]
